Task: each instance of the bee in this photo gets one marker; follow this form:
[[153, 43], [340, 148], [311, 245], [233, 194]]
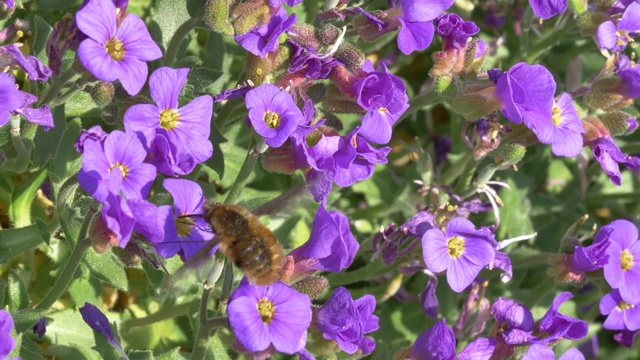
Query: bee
[[250, 245]]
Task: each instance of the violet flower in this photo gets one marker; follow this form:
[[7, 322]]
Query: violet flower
[[7, 342], [462, 251], [264, 39], [543, 352], [113, 52], [615, 37], [185, 229], [331, 245], [10, 97], [517, 321], [40, 328], [168, 158], [276, 315], [622, 271], [626, 337], [355, 159], [609, 155], [99, 322], [560, 326], [546, 9], [564, 130], [416, 21], [479, 349], [385, 98], [621, 315], [273, 113], [437, 342], [187, 127], [118, 217], [10, 55], [454, 31], [346, 321], [309, 63], [428, 297], [41, 116], [116, 165], [593, 257], [95, 133]]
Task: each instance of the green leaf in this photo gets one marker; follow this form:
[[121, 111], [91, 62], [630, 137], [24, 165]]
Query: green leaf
[[17, 291], [68, 328], [69, 352], [25, 319], [42, 33], [3, 291], [173, 354], [515, 219], [29, 349], [67, 161], [201, 78], [81, 104], [107, 268], [48, 142], [217, 349], [16, 241], [140, 355], [86, 289], [167, 16], [22, 198]]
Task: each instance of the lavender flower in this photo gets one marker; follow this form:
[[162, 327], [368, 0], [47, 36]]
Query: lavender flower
[[622, 271], [548, 8], [116, 165], [40, 328], [621, 315], [99, 322], [593, 257], [559, 326], [184, 234], [41, 116], [113, 52], [609, 155], [265, 315], [187, 128], [355, 159], [118, 218], [10, 97], [309, 63], [384, 96], [7, 342], [626, 337], [564, 131], [461, 250], [516, 321], [437, 342], [543, 352], [416, 21], [346, 321], [331, 246], [264, 39], [479, 349], [454, 31], [10, 55], [615, 37], [272, 113]]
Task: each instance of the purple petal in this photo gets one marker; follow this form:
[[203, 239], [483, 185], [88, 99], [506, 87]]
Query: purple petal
[[165, 85], [136, 40], [97, 19], [143, 119], [133, 74], [548, 8], [414, 36], [423, 10], [539, 352], [606, 35], [187, 196], [434, 250], [95, 58]]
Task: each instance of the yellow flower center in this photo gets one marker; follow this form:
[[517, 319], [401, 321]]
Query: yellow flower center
[[169, 119], [115, 49], [272, 119], [355, 142], [383, 110], [626, 260], [455, 246], [622, 306], [184, 225], [123, 169], [267, 310], [557, 116]]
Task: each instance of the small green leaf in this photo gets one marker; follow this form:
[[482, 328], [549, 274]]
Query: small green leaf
[[49, 141], [29, 349], [86, 289], [67, 161], [140, 355], [69, 352], [174, 354], [3, 291], [18, 295], [107, 268], [22, 198], [15, 241], [68, 328], [201, 78], [42, 33], [25, 319], [167, 16]]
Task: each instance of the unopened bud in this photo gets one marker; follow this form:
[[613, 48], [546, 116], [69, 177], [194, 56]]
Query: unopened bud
[[577, 7], [131, 256], [590, 21], [101, 236], [511, 152], [476, 101], [328, 34], [367, 30], [448, 62], [304, 35], [279, 160], [316, 92], [249, 15], [110, 114], [334, 101], [350, 55], [314, 286], [102, 93], [216, 15], [607, 101], [619, 123], [444, 86], [259, 69], [562, 271], [594, 129]]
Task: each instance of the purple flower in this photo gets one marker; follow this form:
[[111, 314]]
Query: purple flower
[[622, 271], [346, 321], [95, 133], [454, 31], [41, 116], [564, 130], [309, 63], [113, 52], [273, 113], [264, 39], [384, 96], [186, 128], [185, 230], [462, 251], [7, 343], [331, 246], [517, 320], [626, 337], [116, 165], [99, 322], [10, 97], [609, 156], [355, 159], [548, 8], [428, 297], [621, 315], [416, 21], [592, 257], [40, 328], [479, 349], [437, 342], [526, 92], [118, 217], [543, 352], [615, 37], [265, 315], [560, 326], [10, 55]]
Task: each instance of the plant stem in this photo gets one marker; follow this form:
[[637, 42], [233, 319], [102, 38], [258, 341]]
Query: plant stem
[[243, 175], [66, 96], [467, 174], [65, 277], [169, 313], [55, 87], [176, 40], [203, 340], [365, 272], [419, 102]]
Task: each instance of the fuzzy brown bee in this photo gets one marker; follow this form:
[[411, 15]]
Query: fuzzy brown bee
[[249, 244]]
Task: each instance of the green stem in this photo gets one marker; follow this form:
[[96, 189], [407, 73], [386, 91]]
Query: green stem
[[165, 314], [419, 102], [20, 163], [243, 175], [55, 87], [176, 40], [467, 174], [365, 272], [66, 276], [66, 96], [454, 171], [204, 340]]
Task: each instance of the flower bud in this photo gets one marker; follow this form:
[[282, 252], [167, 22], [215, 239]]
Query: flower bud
[[62, 38], [561, 270], [279, 160], [444, 86], [446, 62], [259, 69], [369, 31], [607, 101], [594, 129], [350, 55], [101, 237], [305, 35], [102, 93], [249, 15], [110, 114], [131, 256], [619, 123], [216, 15], [511, 152], [314, 286], [328, 34], [577, 7], [590, 21], [476, 101], [6, 8], [334, 101]]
